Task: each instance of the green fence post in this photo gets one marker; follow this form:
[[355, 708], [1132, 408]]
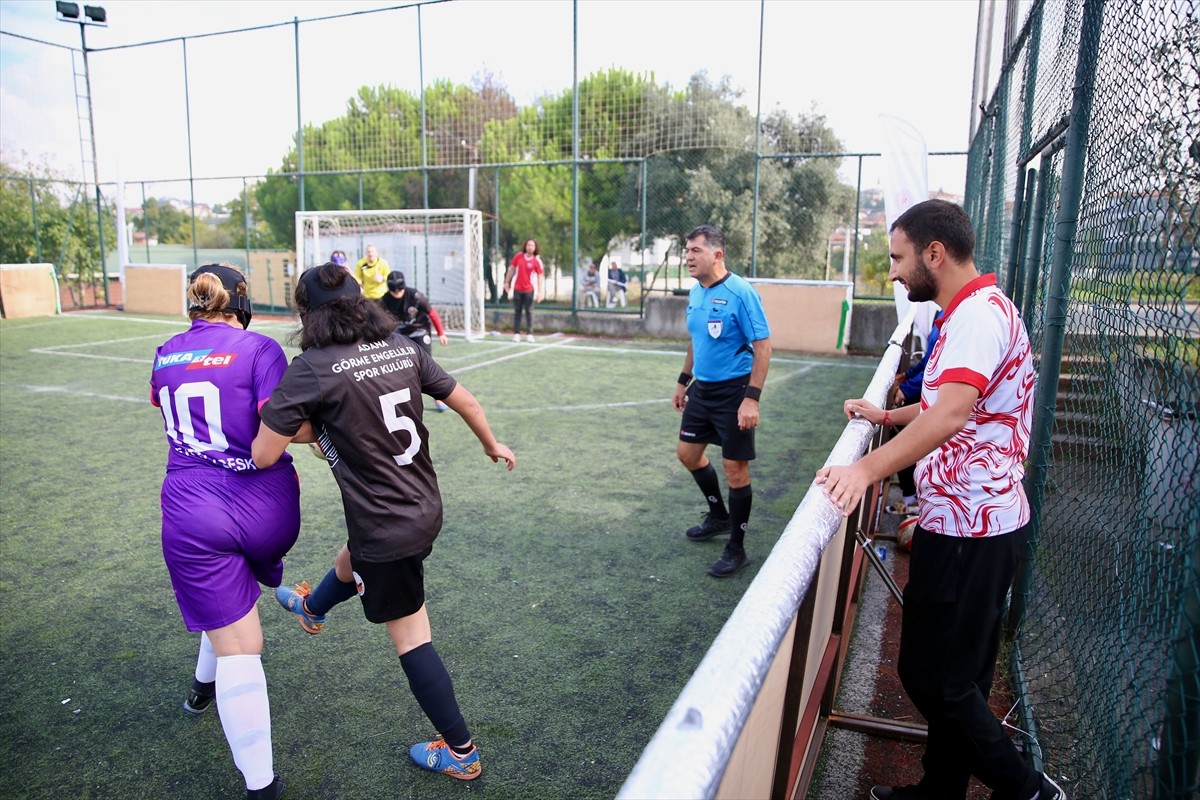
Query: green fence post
[[1057, 296], [37, 236], [1179, 747]]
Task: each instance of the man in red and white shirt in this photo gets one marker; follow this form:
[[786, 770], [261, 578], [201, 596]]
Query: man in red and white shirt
[[970, 437], [525, 282]]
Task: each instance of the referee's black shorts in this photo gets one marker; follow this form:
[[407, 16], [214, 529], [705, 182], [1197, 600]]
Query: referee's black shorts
[[710, 417]]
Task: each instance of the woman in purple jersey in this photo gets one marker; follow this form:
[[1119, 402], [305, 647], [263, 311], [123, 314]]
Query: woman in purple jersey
[[225, 523], [360, 384]]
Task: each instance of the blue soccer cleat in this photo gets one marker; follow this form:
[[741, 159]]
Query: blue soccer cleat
[[293, 601], [437, 756]]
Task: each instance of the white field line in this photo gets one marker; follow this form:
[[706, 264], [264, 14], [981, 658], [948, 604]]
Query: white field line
[[77, 393], [16, 326], [771, 381], [528, 350]]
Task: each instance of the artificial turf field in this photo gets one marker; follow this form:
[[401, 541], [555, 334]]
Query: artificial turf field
[[564, 599]]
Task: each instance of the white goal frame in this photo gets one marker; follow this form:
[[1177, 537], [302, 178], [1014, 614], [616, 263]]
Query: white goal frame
[[404, 236]]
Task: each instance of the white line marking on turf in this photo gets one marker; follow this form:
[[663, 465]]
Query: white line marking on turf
[[54, 347], [527, 351], [146, 361], [77, 393], [771, 381]]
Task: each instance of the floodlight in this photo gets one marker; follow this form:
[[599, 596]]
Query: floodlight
[[67, 11], [96, 15]]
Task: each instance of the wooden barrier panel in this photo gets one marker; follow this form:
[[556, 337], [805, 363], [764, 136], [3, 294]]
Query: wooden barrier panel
[[272, 278], [156, 289], [807, 316], [28, 290]]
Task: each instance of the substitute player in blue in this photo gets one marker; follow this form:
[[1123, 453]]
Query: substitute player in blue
[[729, 353], [226, 524]]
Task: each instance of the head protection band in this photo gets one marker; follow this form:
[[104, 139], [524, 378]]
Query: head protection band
[[238, 305], [318, 295]]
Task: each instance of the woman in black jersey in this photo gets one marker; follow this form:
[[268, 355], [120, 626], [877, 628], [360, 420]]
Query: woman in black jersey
[[360, 385]]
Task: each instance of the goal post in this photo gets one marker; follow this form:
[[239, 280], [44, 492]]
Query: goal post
[[440, 252]]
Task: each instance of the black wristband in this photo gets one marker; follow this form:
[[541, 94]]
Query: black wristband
[[753, 393], [684, 379]]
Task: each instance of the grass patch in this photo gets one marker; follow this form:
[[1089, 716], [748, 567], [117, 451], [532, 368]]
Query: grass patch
[[565, 601]]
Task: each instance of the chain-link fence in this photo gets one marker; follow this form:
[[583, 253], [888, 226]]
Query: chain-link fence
[[1084, 183], [607, 164]]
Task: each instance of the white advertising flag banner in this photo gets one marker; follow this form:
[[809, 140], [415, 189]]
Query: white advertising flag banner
[[905, 183]]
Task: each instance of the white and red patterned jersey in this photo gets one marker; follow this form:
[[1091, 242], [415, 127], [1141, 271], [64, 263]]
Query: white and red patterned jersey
[[971, 485]]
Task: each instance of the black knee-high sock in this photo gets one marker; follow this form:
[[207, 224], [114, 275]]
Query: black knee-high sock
[[706, 479], [740, 500], [329, 592], [434, 690]]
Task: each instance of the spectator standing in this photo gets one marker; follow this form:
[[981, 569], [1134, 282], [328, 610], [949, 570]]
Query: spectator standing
[[971, 434], [339, 257], [729, 353], [525, 281], [371, 273], [907, 392], [617, 284]]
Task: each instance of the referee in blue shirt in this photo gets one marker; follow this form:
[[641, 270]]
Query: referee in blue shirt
[[728, 356]]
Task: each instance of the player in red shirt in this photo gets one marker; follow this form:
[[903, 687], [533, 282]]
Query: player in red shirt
[[526, 283]]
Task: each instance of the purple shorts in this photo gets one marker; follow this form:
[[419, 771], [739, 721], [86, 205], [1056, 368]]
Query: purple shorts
[[223, 533]]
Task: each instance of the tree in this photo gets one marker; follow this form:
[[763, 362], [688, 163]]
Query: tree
[[874, 260], [65, 233], [260, 236], [697, 145], [381, 130], [165, 222]]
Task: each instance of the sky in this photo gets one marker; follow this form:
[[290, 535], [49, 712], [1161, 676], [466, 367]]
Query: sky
[[849, 60]]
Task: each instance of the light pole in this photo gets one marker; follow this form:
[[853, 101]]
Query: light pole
[[92, 15]]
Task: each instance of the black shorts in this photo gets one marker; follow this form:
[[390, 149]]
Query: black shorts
[[390, 589], [420, 337], [710, 417]]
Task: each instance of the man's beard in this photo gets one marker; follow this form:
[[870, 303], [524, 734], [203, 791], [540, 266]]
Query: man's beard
[[921, 286]]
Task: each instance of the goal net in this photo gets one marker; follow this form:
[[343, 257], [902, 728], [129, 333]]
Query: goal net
[[440, 252]]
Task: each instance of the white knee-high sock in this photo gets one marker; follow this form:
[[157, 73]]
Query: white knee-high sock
[[246, 716], [206, 662]]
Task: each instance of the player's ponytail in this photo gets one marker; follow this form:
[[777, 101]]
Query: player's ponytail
[[206, 296], [215, 290]]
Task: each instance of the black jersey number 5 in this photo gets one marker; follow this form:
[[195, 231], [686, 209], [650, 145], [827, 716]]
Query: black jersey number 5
[[388, 403]]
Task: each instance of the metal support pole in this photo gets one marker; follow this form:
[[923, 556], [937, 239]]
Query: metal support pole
[[145, 223], [424, 122], [87, 82], [762, 15], [857, 206], [1014, 241], [574, 152], [246, 222], [1179, 750], [1017, 264], [299, 124], [642, 241], [37, 237], [187, 111]]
